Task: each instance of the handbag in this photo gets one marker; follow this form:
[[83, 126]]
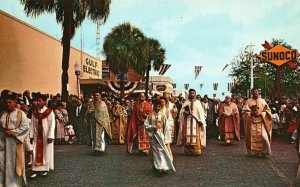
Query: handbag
[[292, 127]]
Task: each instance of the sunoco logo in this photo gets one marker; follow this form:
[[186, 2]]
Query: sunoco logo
[[279, 55]]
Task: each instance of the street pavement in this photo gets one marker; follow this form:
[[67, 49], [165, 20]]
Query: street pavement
[[219, 165]]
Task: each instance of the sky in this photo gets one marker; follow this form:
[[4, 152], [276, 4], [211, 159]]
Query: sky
[[207, 33]]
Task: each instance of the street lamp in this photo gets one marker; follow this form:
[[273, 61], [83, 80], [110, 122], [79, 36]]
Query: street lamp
[[77, 73], [252, 57], [266, 74]]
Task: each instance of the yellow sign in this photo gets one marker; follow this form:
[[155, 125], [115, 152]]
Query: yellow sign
[[279, 55], [91, 69]]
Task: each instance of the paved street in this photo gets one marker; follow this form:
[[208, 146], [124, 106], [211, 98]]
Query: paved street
[[219, 165]]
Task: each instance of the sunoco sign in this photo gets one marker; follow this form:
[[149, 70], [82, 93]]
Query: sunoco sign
[[279, 55]]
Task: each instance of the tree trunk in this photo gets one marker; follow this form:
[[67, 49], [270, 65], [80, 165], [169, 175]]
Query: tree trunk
[[147, 80], [66, 39], [122, 85]]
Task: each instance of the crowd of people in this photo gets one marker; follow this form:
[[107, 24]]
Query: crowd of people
[[31, 123]]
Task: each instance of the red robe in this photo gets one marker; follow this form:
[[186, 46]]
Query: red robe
[[136, 128], [229, 126]]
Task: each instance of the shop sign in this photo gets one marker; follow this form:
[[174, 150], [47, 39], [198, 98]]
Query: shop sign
[[91, 69], [161, 88]]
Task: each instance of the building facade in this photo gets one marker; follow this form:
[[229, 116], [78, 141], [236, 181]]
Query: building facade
[[31, 60]]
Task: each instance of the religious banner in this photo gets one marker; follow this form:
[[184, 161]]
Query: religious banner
[[164, 68], [197, 71], [201, 85], [129, 87], [186, 86], [215, 85]]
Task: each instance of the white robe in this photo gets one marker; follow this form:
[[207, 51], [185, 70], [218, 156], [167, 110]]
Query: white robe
[[158, 139], [198, 112], [49, 132], [170, 121], [8, 147]]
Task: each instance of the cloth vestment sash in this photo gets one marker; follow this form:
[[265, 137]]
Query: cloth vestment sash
[[40, 139]]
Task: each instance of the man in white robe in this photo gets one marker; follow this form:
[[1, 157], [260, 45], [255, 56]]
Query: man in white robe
[[43, 121], [14, 128], [193, 126]]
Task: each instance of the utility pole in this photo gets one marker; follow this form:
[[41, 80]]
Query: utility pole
[[98, 46]]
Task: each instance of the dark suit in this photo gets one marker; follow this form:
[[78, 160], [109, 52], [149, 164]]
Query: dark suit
[[27, 101], [78, 122], [178, 105]]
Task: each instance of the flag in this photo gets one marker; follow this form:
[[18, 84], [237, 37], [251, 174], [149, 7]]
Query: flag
[[292, 65], [186, 86], [230, 86], [201, 85], [267, 45], [225, 67], [215, 85], [197, 71], [164, 68]]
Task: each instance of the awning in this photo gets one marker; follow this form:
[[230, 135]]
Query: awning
[[90, 81]]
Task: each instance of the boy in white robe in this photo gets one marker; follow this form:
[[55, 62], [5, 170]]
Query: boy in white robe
[[160, 139]]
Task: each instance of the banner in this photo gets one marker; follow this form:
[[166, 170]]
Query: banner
[[230, 86], [164, 68], [128, 87], [226, 65], [197, 71], [215, 85], [186, 86]]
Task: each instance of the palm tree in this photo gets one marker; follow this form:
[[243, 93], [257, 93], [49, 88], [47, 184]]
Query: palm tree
[[69, 13], [153, 56], [122, 48]]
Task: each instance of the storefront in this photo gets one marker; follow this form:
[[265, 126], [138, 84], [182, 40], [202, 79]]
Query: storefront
[[31, 60]]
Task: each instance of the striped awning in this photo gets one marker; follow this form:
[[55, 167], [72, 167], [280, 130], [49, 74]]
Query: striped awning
[[129, 87]]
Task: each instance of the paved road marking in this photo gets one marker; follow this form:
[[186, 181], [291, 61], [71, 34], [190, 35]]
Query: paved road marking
[[279, 172]]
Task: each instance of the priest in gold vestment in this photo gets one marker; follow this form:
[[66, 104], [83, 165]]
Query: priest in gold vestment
[[118, 122], [258, 125]]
